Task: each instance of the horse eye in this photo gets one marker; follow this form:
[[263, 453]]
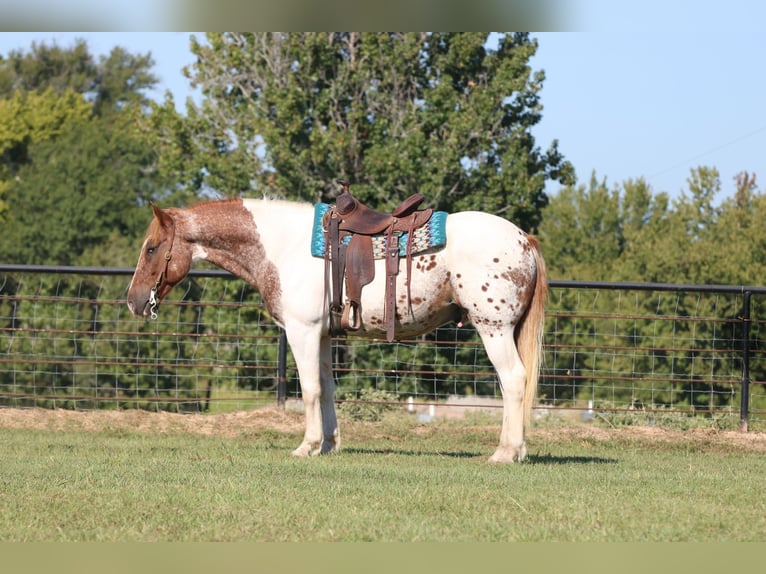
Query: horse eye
[[150, 250]]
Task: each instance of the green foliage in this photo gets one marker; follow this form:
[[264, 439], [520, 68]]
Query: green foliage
[[368, 405], [441, 114], [438, 364], [74, 170], [71, 343], [75, 192], [630, 234], [581, 229], [667, 419], [47, 66], [28, 117], [111, 83], [120, 81]]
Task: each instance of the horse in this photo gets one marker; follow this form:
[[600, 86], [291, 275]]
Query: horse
[[489, 272]]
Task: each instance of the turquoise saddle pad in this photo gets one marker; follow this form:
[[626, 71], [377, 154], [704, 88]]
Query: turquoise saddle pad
[[432, 234]]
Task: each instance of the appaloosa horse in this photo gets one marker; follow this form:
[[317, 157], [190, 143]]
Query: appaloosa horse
[[489, 272]]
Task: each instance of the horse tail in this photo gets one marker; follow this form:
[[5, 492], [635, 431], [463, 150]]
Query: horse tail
[[529, 333]]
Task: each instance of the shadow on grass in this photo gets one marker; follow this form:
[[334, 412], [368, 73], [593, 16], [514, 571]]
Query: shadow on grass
[[400, 452], [553, 459], [531, 458]]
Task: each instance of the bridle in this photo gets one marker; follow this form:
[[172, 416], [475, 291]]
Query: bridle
[[153, 301]]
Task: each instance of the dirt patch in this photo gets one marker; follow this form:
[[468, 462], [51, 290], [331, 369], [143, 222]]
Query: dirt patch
[[754, 441], [273, 418], [227, 425]]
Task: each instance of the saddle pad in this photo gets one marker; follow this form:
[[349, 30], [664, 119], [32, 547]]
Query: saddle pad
[[432, 234]]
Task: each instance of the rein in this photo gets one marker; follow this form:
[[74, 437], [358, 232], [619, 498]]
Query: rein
[[153, 301]]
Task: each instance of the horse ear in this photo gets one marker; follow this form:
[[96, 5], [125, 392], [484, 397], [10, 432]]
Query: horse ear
[[162, 216]]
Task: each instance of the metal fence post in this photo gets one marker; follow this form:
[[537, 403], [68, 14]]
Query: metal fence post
[[744, 405], [282, 370]]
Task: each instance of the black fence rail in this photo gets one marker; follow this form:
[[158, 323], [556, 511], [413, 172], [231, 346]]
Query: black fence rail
[[67, 340]]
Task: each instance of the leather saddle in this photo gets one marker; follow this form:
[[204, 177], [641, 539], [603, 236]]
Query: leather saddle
[[349, 228]]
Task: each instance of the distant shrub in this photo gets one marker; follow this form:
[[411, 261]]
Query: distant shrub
[[369, 405]]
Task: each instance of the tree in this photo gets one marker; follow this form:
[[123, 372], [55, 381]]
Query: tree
[[76, 191], [40, 90], [28, 117], [438, 113], [631, 234], [110, 83], [47, 66], [740, 253], [581, 230]]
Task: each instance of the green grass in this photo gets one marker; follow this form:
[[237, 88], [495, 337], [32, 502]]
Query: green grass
[[396, 480], [226, 400]]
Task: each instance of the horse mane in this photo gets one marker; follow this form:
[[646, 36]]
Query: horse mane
[[208, 202], [240, 200]]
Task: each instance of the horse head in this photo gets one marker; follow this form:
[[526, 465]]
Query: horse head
[[163, 262]]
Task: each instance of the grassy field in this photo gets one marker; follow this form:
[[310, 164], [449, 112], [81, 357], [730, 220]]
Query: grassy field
[[137, 476]]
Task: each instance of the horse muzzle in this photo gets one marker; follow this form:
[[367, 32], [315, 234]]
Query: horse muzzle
[[144, 305], [138, 309]]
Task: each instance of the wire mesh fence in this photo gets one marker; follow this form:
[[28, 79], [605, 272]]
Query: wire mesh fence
[[653, 347], [67, 340]]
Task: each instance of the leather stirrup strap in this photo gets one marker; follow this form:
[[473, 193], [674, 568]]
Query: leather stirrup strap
[[392, 270], [337, 264], [410, 241]]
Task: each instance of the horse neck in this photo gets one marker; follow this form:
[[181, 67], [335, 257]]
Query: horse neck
[[242, 236]]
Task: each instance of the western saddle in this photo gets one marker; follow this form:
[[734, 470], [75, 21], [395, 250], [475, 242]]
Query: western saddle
[[349, 228]]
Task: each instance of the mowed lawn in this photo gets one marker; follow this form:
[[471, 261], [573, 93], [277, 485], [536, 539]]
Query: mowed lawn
[[134, 476]]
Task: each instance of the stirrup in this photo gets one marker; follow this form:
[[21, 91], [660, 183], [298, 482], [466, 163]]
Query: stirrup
[[352, 318]]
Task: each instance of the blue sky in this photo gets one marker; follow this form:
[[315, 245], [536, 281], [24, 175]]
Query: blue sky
[[636, 94]]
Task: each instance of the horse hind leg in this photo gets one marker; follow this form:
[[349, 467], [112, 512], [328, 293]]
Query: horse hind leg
[[501, 350]]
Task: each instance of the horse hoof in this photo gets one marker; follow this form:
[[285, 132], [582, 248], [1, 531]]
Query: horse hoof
[[305, 450], [507, 455]]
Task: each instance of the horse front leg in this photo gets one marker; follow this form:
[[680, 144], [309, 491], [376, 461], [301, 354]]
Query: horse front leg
[[313, 356], [305, 348]]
